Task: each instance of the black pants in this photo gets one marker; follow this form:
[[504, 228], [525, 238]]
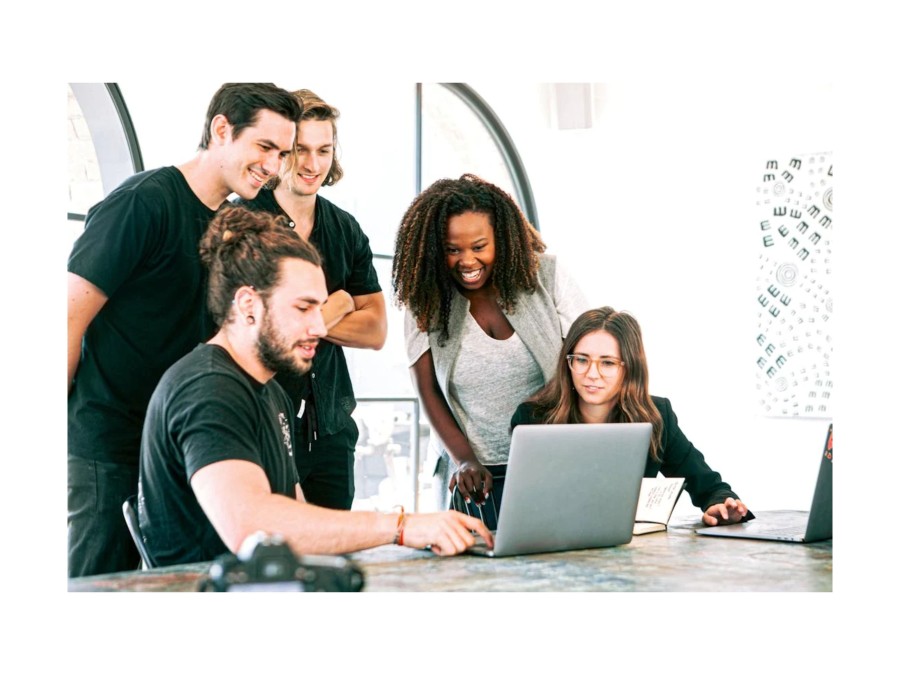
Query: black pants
[[325, 468], [98, 539]]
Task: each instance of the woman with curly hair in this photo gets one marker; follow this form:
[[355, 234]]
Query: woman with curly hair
[[602, 377], [487, 310]]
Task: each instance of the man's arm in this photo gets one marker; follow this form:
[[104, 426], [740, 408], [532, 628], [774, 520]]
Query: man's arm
[[236, 497], [85, 302], [365, 326]]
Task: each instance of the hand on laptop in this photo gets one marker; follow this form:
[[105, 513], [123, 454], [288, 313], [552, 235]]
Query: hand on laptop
[[474, 481], [730, 511], [446, 532]]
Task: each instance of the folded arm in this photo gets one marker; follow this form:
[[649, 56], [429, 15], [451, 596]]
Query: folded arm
[[356, 321]]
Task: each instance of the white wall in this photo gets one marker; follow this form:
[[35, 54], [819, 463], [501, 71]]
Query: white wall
[[653, 210]]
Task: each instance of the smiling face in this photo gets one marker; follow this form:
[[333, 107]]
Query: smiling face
[[249, 161], [305, 172], [469, 249], [597, 394], [292, 322]]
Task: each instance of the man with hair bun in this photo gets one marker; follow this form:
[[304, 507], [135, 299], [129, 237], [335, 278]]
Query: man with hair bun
[[136, 305], [217, 450]]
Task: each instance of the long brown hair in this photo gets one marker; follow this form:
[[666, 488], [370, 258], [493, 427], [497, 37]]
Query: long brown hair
[[557, 402], [314, 108]]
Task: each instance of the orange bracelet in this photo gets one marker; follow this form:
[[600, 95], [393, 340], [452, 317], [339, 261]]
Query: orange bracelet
[[401, 521]]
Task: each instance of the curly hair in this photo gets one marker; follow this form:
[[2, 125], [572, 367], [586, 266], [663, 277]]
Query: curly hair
[[244, 248], [420, 277], [557, 402]]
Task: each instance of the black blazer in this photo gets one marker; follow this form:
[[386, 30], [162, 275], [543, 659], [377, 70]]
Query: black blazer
[[678, 457]]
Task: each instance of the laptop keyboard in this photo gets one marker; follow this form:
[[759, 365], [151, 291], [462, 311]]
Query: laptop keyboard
[[792, 531], [480, 545]]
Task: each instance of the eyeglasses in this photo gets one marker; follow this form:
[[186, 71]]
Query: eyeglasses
[[607, 366]]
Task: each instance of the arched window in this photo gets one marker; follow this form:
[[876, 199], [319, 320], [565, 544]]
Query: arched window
[[462, 134], [102, 144]]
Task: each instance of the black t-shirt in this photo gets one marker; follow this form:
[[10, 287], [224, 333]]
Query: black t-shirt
[[140, 247], [347, 264], [206, 409]]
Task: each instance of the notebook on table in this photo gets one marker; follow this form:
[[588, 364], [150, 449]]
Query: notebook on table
[[796, 526], [569, 486]]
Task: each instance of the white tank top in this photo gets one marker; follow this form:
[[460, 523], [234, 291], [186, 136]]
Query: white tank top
[[489, 380]]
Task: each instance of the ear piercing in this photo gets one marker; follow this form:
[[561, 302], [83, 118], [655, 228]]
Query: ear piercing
[[250, 319]]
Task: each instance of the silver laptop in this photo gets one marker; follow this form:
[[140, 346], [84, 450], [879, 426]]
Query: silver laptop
[[569, 486], [796, 526]]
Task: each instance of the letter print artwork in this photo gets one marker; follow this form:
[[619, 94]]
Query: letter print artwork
[[795, 224]]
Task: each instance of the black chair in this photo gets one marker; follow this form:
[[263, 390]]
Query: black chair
[[129, 509]]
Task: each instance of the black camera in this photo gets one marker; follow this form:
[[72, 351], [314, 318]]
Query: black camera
[[266, 563]]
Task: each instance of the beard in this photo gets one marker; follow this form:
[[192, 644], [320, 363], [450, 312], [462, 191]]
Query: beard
[[276, 354]]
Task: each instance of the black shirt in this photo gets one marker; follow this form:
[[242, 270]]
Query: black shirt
[[347, 264], [140, 247], [206, 409]]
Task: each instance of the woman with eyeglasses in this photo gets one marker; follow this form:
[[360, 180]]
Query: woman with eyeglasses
[[486, 312], [601, 377]]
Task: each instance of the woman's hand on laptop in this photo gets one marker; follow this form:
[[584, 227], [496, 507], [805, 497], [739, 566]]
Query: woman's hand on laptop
[[730, 511], [445, 532], [474, 481]]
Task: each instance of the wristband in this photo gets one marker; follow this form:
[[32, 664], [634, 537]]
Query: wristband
[[401, 521]]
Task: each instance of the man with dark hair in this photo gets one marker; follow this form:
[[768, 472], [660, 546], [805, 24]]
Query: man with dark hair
[[137, 304], [216, 454], [326, 434]]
